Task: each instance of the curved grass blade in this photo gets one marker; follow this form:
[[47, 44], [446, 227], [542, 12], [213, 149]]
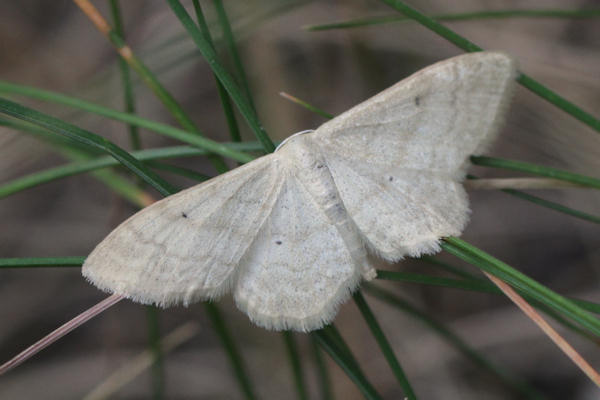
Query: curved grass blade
[[294, 358], [234, 130], [534, 169], [522, 282], [167, 130], [505, 376], [235, 55], [523, 79], [384, 345], [332, 347], [211, 57], [322, 372], [467, 16], [231, 349], [87, 138], [147, 76], [66, 170], [134, 135]]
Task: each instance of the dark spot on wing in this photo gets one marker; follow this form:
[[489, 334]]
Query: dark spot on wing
[[391, 178], [417, 101], [320, 166], [184, 215], [278, 242]]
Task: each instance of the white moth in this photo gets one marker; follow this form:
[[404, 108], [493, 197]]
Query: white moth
[[288, 233]]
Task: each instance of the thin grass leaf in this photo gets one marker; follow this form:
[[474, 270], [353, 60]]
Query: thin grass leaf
[[41, 262], [147, 76], [294, 358], [322, 371], [87, 138], [167, 130], [535, 169], [76, 152], [549, 204], [446, 267], [465, 284], [66, 170], [233, 51], [467, 16], [231, 349], [523, 79], [134, 135], [339, 355], [553, 206], [180, 171], [211, 57], [505, 376], [384, 345], [234, 130], [526, 285], [158, 369]]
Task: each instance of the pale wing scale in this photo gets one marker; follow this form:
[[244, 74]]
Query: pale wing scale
[[400, 212], [432, 120], [299, 268], [186, 247], [420, 132]]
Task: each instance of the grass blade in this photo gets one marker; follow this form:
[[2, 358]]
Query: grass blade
[[384, 345], [535, 169], [234, 130], [231, 349], [167, 130], [523, 79], [339, 355], [467, 16], [211, 57], [87, 138], [454, 340], [522, 282], [294, 358]]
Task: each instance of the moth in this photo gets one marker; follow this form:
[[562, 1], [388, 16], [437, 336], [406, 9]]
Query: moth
[[290, 233]]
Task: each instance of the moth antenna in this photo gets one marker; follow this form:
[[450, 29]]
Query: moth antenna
[[60, 332]]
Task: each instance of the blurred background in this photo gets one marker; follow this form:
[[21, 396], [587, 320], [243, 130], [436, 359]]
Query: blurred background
[[53, 46]]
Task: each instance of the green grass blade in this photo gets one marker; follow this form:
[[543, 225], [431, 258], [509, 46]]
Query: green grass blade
[[119, 184], [87, 138], [41, 262], [294, 358], [553, 206], [465, 284], [63, 171], [549, 204], [522, 282], [476, 15], [454, 340], [523, 79], [535, 169], [447, 267], [163, 95], [158, 369], [339, 355], [134, 135], [166, 130], [231, 349], [235, 55], [322, 372], [234, 130], [211, 57], [180, 171], [384, 345], [473, 284]]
